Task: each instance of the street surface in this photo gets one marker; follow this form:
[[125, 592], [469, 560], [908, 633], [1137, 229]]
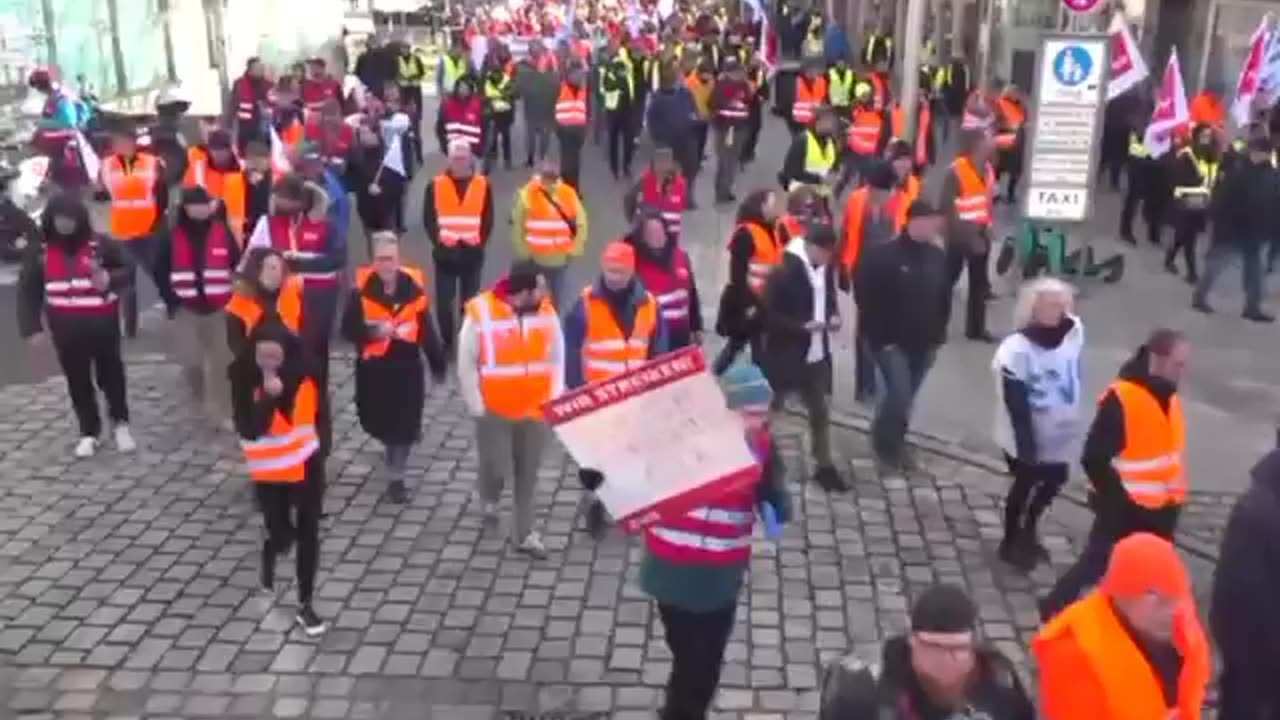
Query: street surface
[[128, 583]]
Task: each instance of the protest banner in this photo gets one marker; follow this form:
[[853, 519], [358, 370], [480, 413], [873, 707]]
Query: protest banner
[[660, 434]]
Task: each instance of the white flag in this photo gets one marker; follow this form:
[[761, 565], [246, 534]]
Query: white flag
[[261, 235], [88, 158], [1170, 112], [393, 158], [279, 156], [1127, 66]]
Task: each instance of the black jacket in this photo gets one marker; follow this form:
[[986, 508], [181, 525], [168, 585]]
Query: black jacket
[[902, 292], [741, 313], [853, 690], [1244, 204], [1114, 508], [459, 257], [30, 298], [1246, 585], [793, 165], [788, 303]]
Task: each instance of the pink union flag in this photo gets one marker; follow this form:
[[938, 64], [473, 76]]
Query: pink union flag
[[1127, 66], [1247, 84], [1170, 112]]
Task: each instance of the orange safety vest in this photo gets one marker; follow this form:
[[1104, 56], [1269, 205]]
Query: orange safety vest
[[1013, 117], [973, 202], [403, 318], [900, 203], [281, 454], [879, 92], [787, 228], [865, 130], [227, 187], [766, 253], [517, 374], [571, 106], [1150, 463], [459, 218], [288, 306], [133, 202], [545, 229], [921, 143], [1090, 666], [809, 95], [606, 352]]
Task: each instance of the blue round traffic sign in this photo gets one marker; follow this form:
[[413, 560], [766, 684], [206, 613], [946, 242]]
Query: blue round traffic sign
[[1072, 65]]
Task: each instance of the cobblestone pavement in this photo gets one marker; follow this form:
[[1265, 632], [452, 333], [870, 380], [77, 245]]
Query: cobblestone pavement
[[127, 585]]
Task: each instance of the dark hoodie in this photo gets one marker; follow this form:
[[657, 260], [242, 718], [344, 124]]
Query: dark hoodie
[[682, 335], [740, 313], [1118, 513], [252, 411], [624, 304], [197, 232], [31, 306], [1246, 586]]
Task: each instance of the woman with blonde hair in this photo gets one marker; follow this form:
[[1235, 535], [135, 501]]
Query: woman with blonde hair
[[1038, 419]]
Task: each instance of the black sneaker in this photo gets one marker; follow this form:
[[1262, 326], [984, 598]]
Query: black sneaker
[[310, 623], [828, 478], [1257, 316], [1201, 306], [596, 521], [267, 573], [396, 492]]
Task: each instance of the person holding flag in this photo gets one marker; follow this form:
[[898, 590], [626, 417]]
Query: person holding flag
[[1194, 174]]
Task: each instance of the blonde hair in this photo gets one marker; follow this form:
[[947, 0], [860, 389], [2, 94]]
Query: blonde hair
[[1031, 292]]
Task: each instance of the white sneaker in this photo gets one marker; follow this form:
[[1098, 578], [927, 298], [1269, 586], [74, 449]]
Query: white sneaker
[[532, 546], [124, 439], [86, 447]]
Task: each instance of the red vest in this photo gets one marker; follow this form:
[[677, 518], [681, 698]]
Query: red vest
[[303, 240], [67, 284], [670, 203], [247, 101], [333, 145], [670, 287], [217, 267], [316, 91], [462, 119], [718, 533]]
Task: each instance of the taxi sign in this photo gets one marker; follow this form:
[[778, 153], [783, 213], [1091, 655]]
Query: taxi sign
[[1066, 127]]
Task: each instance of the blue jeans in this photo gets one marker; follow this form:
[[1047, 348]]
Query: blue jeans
[[864, 368], [1217, 259], [903, 372], [556, 278]]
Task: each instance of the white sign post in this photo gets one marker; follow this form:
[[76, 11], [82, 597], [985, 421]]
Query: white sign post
[[1070, 97]]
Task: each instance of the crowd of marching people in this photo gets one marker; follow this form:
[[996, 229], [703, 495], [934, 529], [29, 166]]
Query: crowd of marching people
[[244, 235]]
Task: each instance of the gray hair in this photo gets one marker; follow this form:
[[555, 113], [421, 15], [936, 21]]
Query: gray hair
[[1031, 292], [384, 238]]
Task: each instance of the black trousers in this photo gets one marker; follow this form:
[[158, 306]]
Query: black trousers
[[454, 287], [413, 94], [622, 146], [1142, 188], [975, 309], [499, 134], [754, 121], [1186, 232], [86, 356], [571, 141], [291, 517], [1034, 487], [697, 642]]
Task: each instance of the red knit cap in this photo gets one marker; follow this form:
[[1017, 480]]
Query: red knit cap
[[1142, 563]]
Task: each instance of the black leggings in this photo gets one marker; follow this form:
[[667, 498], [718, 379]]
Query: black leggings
[[1033, 490], [697, 641], [291, 514]]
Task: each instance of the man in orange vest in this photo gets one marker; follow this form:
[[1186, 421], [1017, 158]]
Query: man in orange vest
[[549, 226], [133, 181], [867, 133], [966, 198], [1134, 458], [457, 211], [1132, 648], [868, 221], [1010, 138], [571, 121], [511, 359], [614, 327], [810, 92], [922, 142], [214, 167]]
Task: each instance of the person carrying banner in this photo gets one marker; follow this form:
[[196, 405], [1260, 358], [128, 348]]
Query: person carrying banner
[[694, 565], [615, 326]]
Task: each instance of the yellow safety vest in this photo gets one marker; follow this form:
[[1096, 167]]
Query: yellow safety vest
[[1208, 175], [411, 70], [1137, 148], [819, 156], [497, 93], [613, 97], [840, 87], [453, 69]]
